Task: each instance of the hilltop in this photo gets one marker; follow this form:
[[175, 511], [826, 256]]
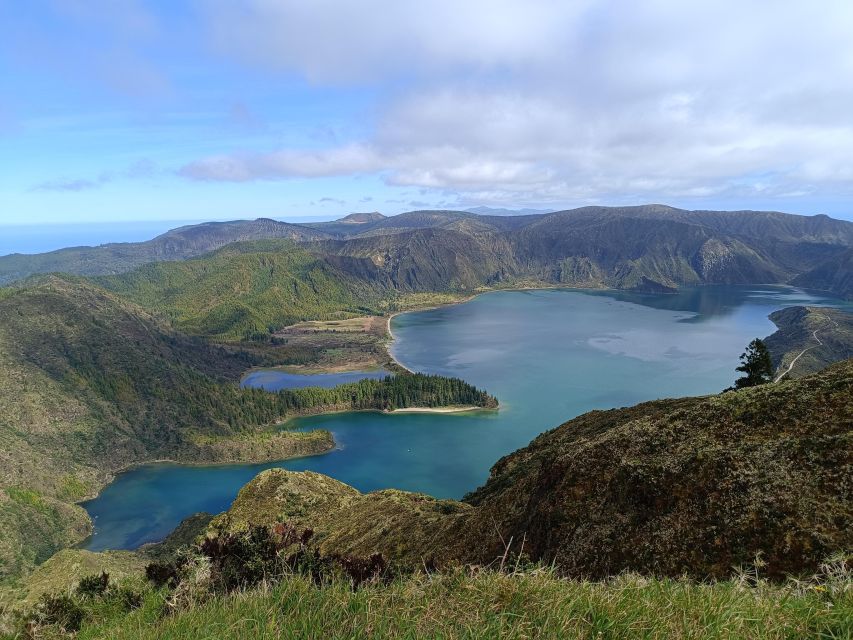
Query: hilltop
[[249, 289], [648, 247], [177, 244]]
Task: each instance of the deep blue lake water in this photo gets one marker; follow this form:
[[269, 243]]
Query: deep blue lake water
[[548, 355]]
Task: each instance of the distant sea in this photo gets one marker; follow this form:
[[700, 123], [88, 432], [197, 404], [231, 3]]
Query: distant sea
[[48, 237]]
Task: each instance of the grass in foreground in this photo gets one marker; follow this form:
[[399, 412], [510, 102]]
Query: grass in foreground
[[490, 604]]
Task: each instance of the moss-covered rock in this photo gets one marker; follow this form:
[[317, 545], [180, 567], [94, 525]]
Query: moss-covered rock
[[277, 495]]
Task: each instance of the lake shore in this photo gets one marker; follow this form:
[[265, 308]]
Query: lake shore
[[436, 409], [416, 444]]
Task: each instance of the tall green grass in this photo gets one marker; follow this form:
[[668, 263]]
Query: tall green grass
[[489, 604]]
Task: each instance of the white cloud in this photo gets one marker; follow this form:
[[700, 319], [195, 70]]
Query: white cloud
[[542, 101], [345, 42]]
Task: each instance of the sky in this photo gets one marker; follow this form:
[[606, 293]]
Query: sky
[[125, 110]]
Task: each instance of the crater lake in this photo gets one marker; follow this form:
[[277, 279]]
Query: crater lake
[[548, 356]]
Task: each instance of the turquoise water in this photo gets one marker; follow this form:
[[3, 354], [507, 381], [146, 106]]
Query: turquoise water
[[547, 355], [274, 380]]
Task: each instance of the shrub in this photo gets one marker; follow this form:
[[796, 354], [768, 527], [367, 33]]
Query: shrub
[[95, 585], [242, 560], [162, 574], [127, 598], [60, 610]]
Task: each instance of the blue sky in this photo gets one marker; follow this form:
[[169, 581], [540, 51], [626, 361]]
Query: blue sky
[[128, 110]]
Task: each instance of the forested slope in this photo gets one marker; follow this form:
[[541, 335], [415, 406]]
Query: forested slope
[[249, 289], [90, 383]]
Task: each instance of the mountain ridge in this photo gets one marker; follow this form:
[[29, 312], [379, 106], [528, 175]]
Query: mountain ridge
[[655, 247]]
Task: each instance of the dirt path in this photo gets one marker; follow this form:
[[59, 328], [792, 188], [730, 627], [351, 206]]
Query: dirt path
[[797, 357]]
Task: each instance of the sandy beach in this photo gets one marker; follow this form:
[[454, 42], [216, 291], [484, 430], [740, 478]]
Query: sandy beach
[[435, 409]]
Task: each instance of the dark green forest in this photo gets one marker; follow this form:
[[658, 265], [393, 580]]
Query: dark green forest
[[392, 392]]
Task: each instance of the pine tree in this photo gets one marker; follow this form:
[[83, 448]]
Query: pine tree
[[756, 364]]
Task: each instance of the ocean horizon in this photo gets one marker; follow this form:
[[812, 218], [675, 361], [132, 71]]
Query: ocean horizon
[[50, 237]]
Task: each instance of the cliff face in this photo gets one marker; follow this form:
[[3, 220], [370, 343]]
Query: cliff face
[[834, 274], [692, 486], [650, 247]]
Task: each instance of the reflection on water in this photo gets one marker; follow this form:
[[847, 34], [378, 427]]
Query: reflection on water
[[706, 303]]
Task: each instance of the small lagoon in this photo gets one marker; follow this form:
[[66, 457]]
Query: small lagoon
[[548, 355]]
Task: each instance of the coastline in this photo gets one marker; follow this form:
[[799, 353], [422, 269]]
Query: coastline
[[437, 410], [111, 476], [392, 363], [391, 359]]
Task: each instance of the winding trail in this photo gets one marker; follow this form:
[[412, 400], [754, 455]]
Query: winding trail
[[797, 357]]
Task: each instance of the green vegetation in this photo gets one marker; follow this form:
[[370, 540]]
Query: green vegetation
[[95, 380], [177, 244], [93, 384], [693, 486], [650, 247], [67, 567], [516, 601], [393, 392], [700, 487], [755, 362], [247, 290], [810, 339]]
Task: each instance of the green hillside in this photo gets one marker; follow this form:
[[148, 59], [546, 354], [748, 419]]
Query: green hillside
[[715, 517], [834, 274], [176, 244], [694, 486], [809, 339], [91, 384], [647, 247], [246, 290]]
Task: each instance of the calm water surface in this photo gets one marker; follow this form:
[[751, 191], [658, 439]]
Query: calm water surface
[[274, 380], [547, 355]]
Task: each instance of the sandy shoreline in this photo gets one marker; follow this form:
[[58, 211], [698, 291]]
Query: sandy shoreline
[[391, 339], [435, 409]]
